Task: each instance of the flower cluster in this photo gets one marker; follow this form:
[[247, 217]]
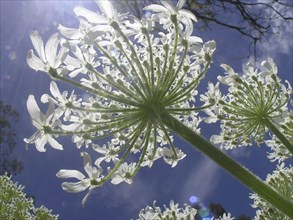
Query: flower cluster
[[282, 181], [278, 151], [126, 74], [174, 212], [14, 204], [255, 100]]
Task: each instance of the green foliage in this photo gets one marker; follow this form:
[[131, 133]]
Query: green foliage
[[14, 204], [216, 209], [8, 117], [244, 217]]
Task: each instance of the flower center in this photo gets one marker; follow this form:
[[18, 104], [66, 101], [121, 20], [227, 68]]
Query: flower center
[[152, 109]]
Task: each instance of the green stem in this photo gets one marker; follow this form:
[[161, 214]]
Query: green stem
[[279, 135], [231, 166]]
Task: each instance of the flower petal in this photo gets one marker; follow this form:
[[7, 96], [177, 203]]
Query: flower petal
[[45, 98], [55, 91], [187, 14], [84, 200], [75, 187], [32, 139], [195, 40], [63, 52], [117, 179], [169, 5], [48, 117], [90, 16], [70, 174], [75, 72], [155, 8], [228, 69], [107, 8], [34, 110], [78, 53], [188, 27], [270, 66], [40, 143], [99, 160], [71, 33], [35, 62], [51, 49], [87, 163], [38, 44], [180, 4], [71, 63], [54, 143]]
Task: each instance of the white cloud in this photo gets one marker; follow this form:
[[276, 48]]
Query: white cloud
[[202, 181], [131, 197], [240, 152], [281, 39]]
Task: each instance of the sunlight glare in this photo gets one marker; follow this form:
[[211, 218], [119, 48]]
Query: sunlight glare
[[193, 199]]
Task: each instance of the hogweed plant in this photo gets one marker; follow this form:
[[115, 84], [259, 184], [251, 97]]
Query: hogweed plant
[[282, 181], [15, 204], [140, 77]]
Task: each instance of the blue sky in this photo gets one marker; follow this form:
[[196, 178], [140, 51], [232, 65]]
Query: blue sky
[[194, 175]]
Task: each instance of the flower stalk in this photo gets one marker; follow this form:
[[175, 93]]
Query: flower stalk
[[227, 163]]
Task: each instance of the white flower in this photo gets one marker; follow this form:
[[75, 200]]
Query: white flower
[[109, 152], [226, 216], [151, 156], [124, 173], [137, 26], [213, 95], [81, 121], [84, 57], [101, 23], [168, 9], [209, 48], [48, 56], [211, 98], [231, 75], [94, 176], [92, 25], [44, 123], [82, 35], [270, 66], [187, 213], [148, 213], [65, 103], [81, 140], [172, 156], [173, 209]]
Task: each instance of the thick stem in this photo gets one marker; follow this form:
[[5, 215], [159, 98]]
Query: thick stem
[[279, 135], [231, 166]]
